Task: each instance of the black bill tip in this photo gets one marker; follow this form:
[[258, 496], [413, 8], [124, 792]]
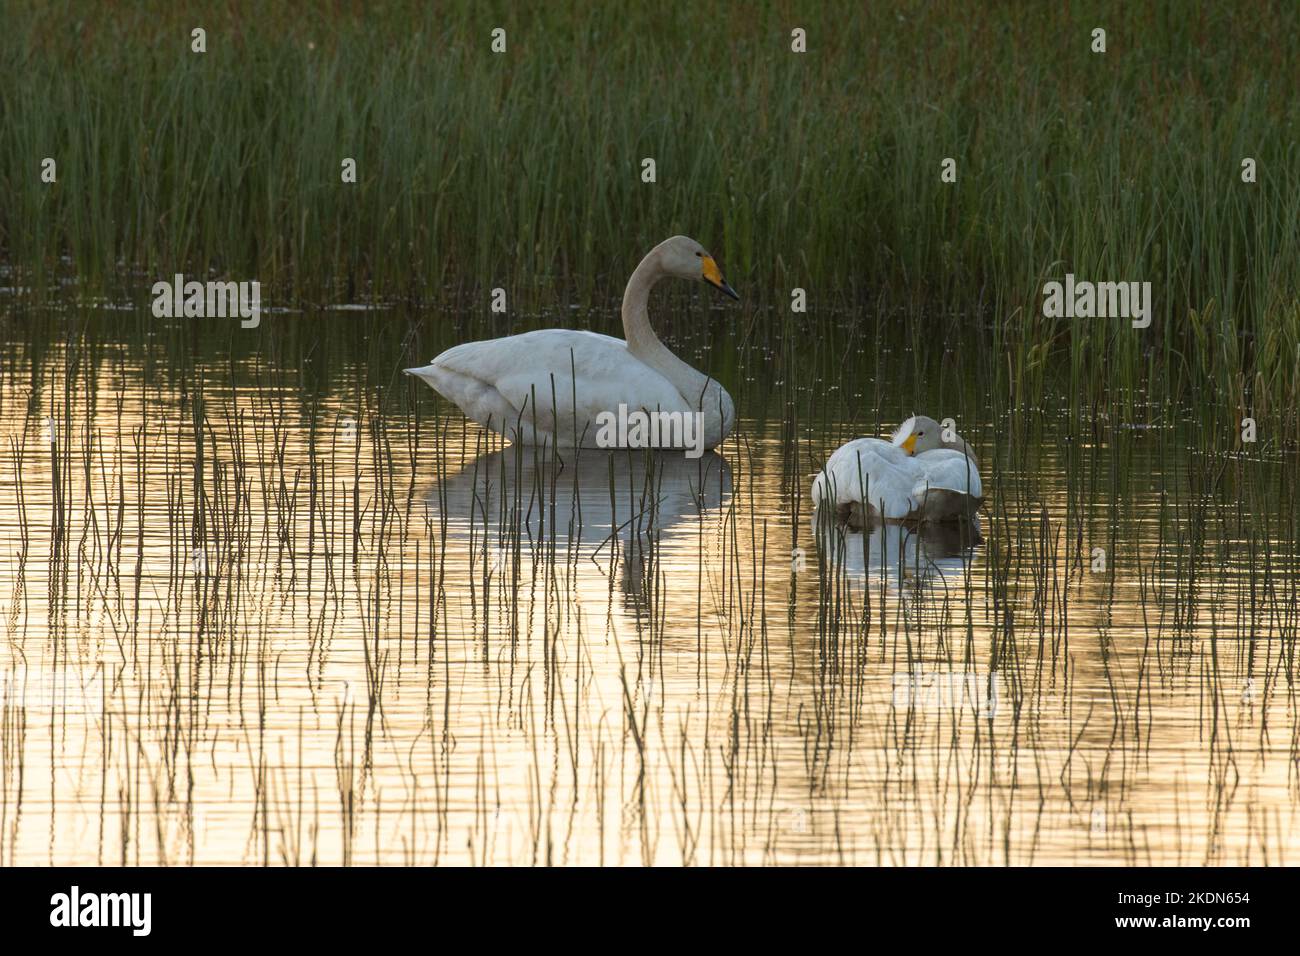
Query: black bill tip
[[725, 288]]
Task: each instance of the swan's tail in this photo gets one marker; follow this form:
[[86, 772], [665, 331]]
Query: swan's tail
[[426, 372]]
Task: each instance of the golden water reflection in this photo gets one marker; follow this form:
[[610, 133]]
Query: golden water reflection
[[284, 642]]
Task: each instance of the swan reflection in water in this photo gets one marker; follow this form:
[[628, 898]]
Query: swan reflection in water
[[528, 504], [927, 554]]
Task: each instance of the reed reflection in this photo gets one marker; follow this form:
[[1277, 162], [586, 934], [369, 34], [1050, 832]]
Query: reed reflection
[[584, 508]]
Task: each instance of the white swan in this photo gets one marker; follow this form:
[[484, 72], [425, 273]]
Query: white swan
[[918, 476], [551, 385]]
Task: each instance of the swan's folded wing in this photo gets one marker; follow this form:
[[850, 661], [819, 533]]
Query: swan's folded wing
[[872, 471], [947, 470]]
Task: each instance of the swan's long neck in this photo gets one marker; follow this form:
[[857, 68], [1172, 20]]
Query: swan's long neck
[[645, 345]]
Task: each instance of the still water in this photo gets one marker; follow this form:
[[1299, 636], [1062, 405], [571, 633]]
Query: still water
[[260, 609]]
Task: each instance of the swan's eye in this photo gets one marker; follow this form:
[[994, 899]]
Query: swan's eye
[[920, 434], [699, 255]]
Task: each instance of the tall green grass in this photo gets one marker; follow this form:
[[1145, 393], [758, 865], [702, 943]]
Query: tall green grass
[[818, 170]]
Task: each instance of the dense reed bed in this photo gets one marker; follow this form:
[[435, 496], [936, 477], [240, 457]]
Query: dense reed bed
[[820, 170]]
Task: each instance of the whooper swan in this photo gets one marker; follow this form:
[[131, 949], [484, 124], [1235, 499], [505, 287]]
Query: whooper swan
[[919, 476], [550, 386]]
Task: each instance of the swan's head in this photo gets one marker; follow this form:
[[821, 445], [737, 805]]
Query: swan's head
[[683, 257], [920, 433]]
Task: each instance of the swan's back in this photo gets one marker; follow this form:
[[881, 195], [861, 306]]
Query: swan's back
[[949, 470], [872, 479], [870, 472], [527, 382]]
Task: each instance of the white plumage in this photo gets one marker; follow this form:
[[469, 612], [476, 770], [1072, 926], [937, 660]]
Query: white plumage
[[551, 386], [528, 381], [871, 479]]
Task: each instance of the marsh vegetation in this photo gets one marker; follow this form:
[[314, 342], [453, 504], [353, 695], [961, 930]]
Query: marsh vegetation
[[265, 600]]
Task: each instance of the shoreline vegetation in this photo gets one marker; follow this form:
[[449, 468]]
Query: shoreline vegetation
[[820, 170], [264, 599]]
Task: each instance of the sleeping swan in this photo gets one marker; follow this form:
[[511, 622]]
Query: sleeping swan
[[919, 476], [551, 386]]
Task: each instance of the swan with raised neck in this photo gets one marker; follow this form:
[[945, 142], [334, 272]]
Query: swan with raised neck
[[503, 383], [680, 257]]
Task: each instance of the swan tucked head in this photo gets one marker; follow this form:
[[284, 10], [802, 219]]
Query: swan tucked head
[[683, 257], [921, 434]]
